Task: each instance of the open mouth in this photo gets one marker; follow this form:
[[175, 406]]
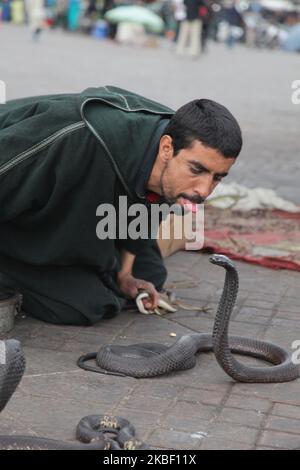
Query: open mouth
[[187, 204]]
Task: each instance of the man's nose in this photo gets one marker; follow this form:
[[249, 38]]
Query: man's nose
[[204, 186]]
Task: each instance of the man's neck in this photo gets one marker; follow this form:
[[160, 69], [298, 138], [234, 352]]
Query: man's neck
[[155, 177]]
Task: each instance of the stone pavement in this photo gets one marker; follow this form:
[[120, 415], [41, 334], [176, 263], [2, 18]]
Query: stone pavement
[[201, 408]]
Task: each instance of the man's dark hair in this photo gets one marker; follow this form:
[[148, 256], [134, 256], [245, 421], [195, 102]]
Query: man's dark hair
[[209, 122]]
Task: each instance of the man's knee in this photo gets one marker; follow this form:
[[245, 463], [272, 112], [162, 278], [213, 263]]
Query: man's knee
[[45, 310]]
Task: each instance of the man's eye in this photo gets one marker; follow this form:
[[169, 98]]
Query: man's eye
[[195, 171]]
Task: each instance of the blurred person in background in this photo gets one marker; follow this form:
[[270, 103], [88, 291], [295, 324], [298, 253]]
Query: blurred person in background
[[252, 20], [205, 12], [235, 22], [112, 27], [36, 15], [61, 9], [6, 10], [17, 11], [179, 12], [73, 15], [190, 30]]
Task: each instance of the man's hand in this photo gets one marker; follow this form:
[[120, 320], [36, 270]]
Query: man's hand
[[130, 286]]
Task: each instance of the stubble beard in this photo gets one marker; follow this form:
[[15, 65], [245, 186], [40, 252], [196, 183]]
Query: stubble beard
[[168, 199]]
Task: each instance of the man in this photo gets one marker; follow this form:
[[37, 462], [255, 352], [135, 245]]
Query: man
[[62, 156]]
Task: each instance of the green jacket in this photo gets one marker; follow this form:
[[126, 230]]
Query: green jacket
[[60, 157]]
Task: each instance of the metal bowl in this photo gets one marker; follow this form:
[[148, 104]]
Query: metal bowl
[[10, 303]]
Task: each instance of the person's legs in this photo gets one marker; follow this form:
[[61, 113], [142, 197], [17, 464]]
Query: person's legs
[[183, 37], [70, 295], [194, 48]]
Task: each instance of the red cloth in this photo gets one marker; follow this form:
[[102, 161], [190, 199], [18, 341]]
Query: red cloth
[[153, 198], [269, 238]]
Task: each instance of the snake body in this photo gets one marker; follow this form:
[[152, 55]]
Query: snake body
[[99, 432], [152, 359], [96, 432]]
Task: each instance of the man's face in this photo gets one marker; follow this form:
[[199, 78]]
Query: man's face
[[193, 174]]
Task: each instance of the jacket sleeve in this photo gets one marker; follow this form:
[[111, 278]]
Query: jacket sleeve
[[148, 233], [27, 181], [134, 246], [29, 130]]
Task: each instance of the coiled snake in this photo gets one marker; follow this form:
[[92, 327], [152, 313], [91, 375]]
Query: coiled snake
[[97, 432], [151, 359]]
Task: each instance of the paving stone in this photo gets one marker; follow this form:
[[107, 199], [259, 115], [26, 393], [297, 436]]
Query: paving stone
[[9, 425], [77, 385], [207, 397], [222, 444], [266, 448], [50, 417], [88, 342], [238, 416], [44, 342], [204, 324], [292, 294], [147, 388], [234, 432], [253, 315], [259, 304], [24, 328], [150, 404], [289, 307], [245, 402], [139, 418], [186, 414], [172, 439], [40, 361], [287, 323], [278, 423], [176, 278], [154, 328], [280, 440], [274, 335], [287, 315], [200, 294], [265, 296], [206, 373], [288, 411], [284, 392], [55, 331]]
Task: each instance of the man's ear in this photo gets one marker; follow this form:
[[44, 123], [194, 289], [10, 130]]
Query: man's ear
[[166, 150]]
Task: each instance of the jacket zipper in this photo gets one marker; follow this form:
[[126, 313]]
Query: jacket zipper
[[40, 146]]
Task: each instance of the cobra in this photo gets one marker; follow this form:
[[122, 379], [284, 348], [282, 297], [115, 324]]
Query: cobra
[[152, 359]]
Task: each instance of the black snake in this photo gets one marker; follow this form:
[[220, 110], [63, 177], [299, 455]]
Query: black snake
[[96, 432], [151, 359]]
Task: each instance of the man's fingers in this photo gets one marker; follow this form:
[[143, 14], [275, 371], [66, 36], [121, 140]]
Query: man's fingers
[[152, 301]]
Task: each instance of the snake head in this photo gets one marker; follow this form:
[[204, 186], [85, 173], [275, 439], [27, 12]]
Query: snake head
[[222, 260]]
